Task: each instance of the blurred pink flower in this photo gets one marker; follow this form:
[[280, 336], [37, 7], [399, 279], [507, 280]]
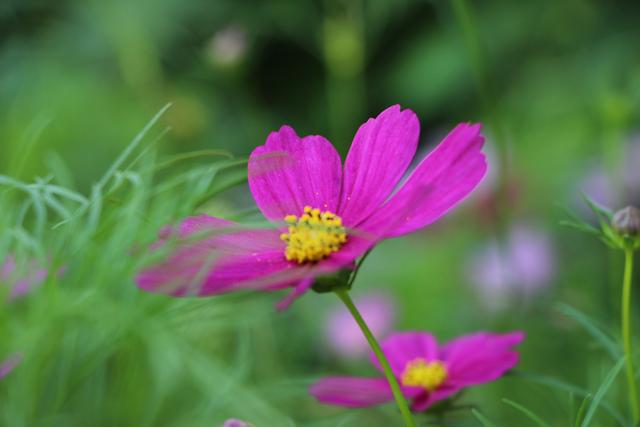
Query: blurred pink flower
[[523, 266], [615, 188], [232, 422], [9, 364], [21, 280], [324, 216], [343, 334], [426, 372]]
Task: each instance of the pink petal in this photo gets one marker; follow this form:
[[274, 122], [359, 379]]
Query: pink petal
[[357, 244], [480, 357], [443, 179], [299, 290], [425, 400], [380, 154], [402, 347], [352, 392], [214, 256], [288, 173]]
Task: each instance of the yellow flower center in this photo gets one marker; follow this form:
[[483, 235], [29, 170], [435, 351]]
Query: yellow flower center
[[428, 375], [313, 236]]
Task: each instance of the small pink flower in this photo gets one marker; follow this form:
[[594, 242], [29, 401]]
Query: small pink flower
[[9, 364], [325, 216], [426, 372], [343, 334]]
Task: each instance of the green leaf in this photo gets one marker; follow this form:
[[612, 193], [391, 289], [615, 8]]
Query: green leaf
[[582, 410], [578, 391], [191, 155], [601, 212], [483, 420], [576, 222], [592, 329], [131, 147], [528, 413], [604, 387]]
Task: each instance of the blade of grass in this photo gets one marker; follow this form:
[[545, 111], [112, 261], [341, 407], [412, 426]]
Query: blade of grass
[[132, 146], [482, 419], [578, 391], [602, 391], [593, 329], [192, 155], [582, 410], [527, 412]]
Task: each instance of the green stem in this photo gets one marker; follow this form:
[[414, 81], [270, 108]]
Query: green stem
[[626, 334], [393, 382]]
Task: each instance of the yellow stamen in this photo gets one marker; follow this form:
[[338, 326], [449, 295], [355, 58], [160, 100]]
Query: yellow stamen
[[428, 375], [313, 236]]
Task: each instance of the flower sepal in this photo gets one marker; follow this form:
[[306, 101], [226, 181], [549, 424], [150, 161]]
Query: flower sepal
[[618, 230], [446, 406], [332, 282]]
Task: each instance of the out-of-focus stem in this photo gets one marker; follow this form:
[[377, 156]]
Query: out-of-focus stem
[[384, 363], [343, 51], [626, 334], [466, 20]]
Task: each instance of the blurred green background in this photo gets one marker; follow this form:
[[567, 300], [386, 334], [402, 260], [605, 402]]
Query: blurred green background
[[555, 83]]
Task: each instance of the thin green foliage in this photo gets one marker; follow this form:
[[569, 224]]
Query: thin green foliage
[[579, 417], [92, 342], [482, 419], [602, 391], [591, 327], [527, 412], [570, 388]]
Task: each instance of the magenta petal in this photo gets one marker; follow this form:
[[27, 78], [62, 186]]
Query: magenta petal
[[352, 392], [358, 243], [299, 290], [288, 173], [480, 357], [403, 347], [425, 400], [380, 154], [213, 256], [443, 179]]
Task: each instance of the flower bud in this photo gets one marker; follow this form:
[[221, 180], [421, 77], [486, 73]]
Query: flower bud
[[626, 221]]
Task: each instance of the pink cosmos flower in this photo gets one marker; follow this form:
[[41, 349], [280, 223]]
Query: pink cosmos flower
[[426, 372], [9, 364], [342, 333], [325, 216]]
